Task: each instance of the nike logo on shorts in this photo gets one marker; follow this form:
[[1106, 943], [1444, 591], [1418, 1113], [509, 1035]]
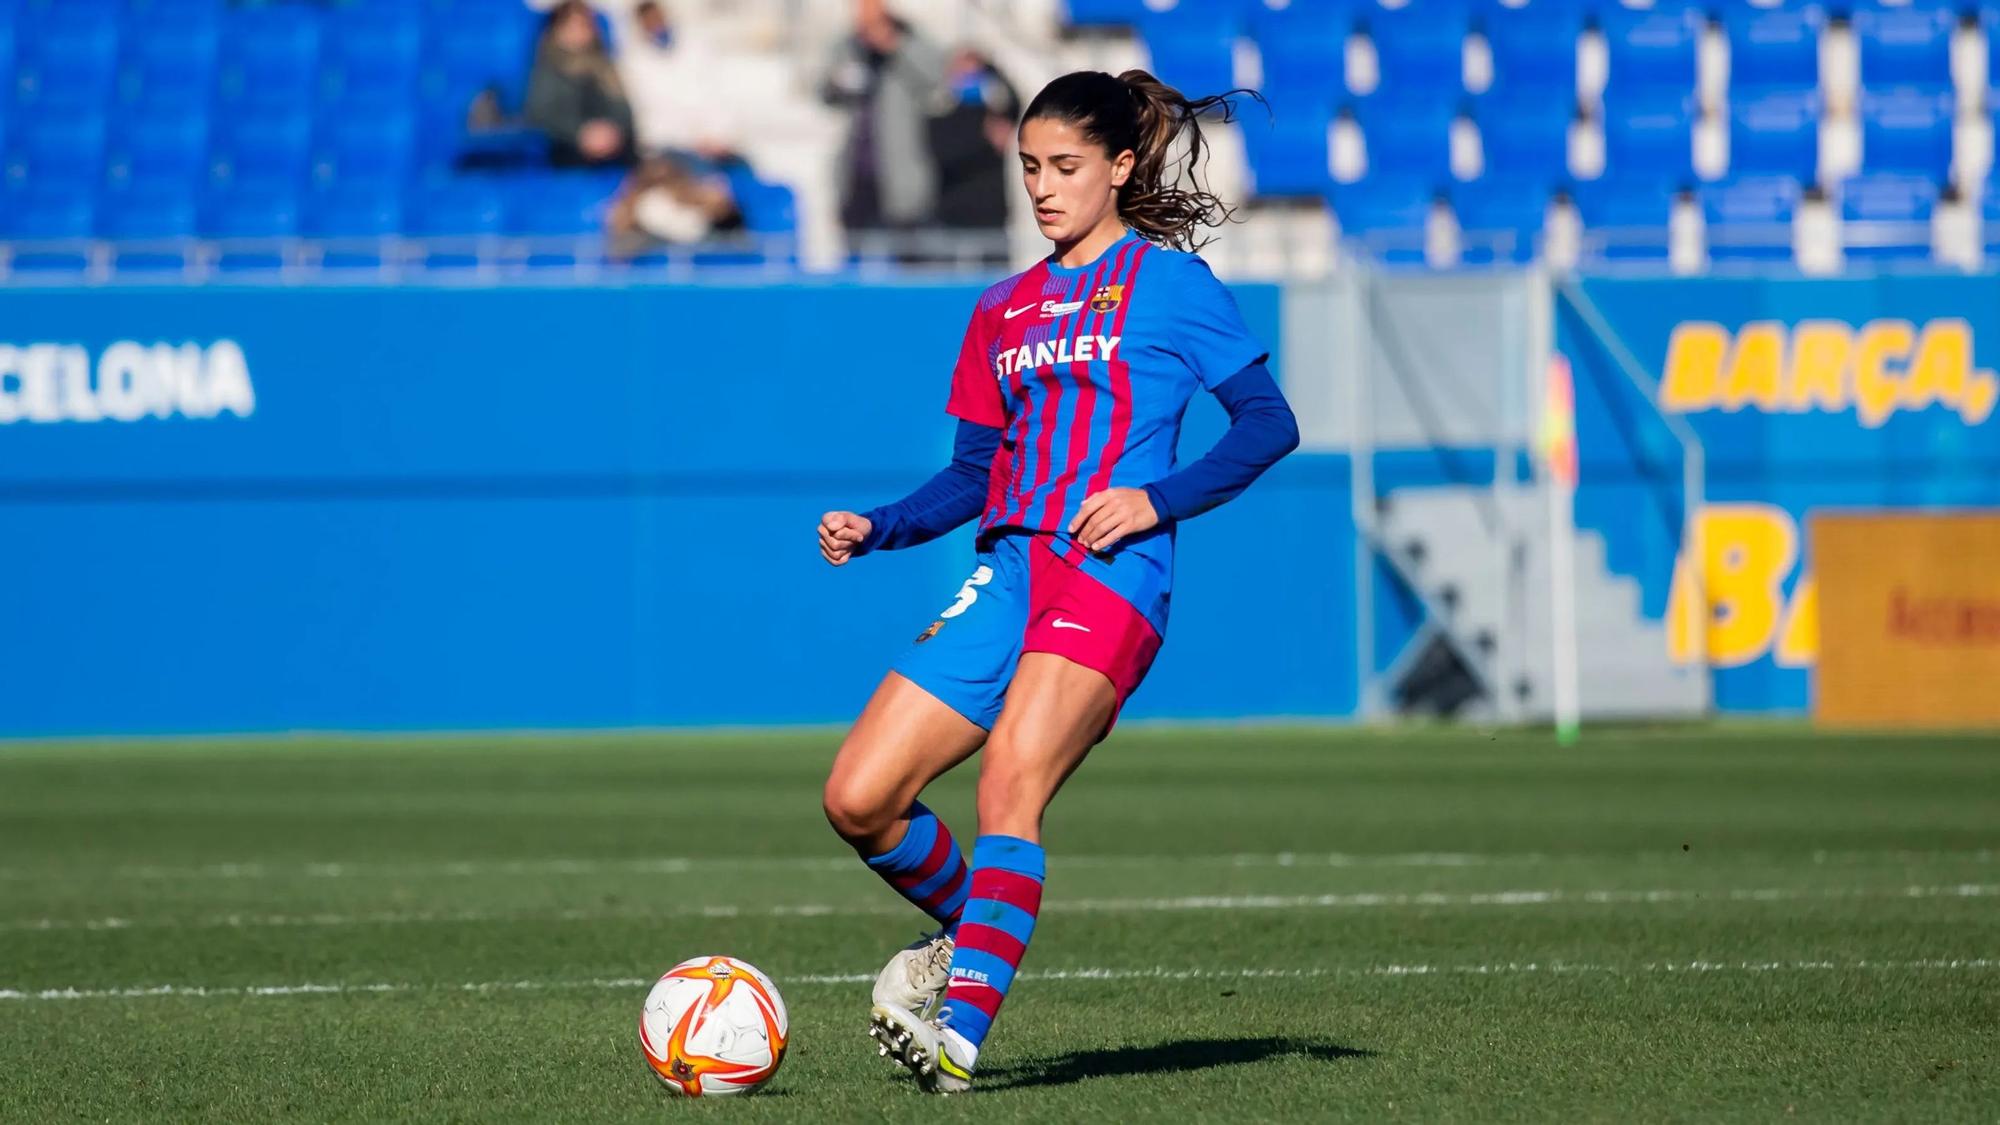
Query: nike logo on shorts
[[1059, 623]]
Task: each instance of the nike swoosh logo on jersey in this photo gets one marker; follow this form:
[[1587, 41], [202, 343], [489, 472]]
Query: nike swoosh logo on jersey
[[1059, 623], [1012, 313]]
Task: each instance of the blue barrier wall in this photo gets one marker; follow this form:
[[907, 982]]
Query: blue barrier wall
[[1805, 394], [430, 507]]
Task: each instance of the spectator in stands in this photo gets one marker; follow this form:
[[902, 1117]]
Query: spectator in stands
[[575, 95], [892, 79], [969, 142], [669, 201], [670, 75]]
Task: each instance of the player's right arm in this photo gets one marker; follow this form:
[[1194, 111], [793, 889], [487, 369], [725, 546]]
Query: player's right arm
[[952, 498], [957, 494]]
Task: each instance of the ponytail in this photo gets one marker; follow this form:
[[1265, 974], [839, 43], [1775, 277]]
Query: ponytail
[[1163, 199]]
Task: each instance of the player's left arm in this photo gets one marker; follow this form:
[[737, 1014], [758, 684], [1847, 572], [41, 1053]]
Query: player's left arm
[[1209, 334], [1261, 431]]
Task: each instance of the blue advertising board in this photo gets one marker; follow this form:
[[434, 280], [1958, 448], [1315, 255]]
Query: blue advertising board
[[426, 507]]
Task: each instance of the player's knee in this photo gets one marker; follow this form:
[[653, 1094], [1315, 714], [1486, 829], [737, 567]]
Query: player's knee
[[857, 813]]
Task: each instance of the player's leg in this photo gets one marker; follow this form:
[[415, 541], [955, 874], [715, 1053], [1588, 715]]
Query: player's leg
[[1056, 711], [1085, 650], [929, 714], [905, 738]]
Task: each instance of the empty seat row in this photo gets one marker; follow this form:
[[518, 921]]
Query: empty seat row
[[1301, 47], [1651, 135], [1744, 219], [360, 139], [86, 53]]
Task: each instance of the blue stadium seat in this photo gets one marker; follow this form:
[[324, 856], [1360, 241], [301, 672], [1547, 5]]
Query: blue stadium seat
[[1989, 212], [1775, 133], [1420, 46], [1525, 133], [371, 52], [1193, 45], [1105, 13], [1408, 135], [1387, 214], [53, 146], [1649, 133], [561, 204], [1534, 47], [1772, 48], [160, 143], [1650, 48], [1304, 51], [265, 143], [1907, 131], [170, 56], [1750, 218], [462, 209], [366, 141], [155, 223], [1626, 215], [767, 208], [66, 56], [355, 219], [1501, 217], [57, 216], [1887, 216], [1288, 152], [146, 213], [466, 57], [250, 221], [1908, 46], [6, 60], [270, 54], [208, 10]]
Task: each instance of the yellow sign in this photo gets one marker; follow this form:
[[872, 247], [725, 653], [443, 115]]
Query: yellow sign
[[1875, 370], [1748, 552], [1909, 619]]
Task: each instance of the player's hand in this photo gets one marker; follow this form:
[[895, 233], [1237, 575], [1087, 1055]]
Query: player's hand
[[840, 533], [1111, 515]]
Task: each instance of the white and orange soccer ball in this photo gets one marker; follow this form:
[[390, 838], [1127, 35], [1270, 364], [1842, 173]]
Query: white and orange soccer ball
[[713, 1026]]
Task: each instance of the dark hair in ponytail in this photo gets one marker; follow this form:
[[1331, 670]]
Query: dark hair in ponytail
[[1137, 111]]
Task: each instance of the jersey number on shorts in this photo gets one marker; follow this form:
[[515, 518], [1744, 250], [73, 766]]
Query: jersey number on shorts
[[969, 593]]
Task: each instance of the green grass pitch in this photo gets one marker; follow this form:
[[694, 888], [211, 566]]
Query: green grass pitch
[[1241, 924]]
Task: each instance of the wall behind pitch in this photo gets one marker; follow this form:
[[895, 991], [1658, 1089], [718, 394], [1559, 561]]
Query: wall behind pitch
[[431, 507], [1865, 392]]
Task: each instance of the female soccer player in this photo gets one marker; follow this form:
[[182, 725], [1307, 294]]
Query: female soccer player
[[1069, 392]]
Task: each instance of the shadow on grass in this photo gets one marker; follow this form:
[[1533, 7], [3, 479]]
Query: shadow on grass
[[1160, 1058]]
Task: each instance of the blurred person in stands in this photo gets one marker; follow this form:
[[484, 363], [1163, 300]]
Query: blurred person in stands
[[575, 95], [680, 193], [891, 79], [670, 74], [969, 142]]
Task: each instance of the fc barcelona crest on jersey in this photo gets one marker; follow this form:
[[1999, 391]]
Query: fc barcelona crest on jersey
[[1106, 298]]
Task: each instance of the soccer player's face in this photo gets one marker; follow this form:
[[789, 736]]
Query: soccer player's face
[[1072, 182]]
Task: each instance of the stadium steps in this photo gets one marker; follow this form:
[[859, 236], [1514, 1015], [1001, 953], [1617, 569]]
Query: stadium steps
[[1479, 557]]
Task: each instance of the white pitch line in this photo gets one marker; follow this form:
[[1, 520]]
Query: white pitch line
[[702, 865], [1504, 968], [1359, 900]]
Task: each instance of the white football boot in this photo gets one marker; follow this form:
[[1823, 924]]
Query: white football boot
[[916, 977], [941, 1060]]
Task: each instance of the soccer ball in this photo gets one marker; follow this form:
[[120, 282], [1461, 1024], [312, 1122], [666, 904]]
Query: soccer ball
[[713, 1026]]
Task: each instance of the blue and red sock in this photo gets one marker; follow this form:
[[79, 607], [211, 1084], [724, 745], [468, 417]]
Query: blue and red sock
[[926, 867], [1006, 895]]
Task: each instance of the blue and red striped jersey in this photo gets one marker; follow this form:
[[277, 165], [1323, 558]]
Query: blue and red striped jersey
[[1087, 371]]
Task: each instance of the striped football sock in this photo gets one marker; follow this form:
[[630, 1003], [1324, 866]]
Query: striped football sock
[[1007, 875], [926, 867]]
